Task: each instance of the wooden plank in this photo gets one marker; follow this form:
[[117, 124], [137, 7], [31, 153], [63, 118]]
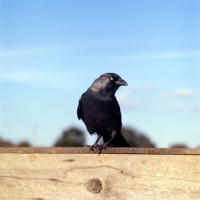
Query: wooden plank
[[48, 176], [109, 150]]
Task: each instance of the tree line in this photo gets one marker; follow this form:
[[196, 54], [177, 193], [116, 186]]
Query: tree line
[[75, 137]]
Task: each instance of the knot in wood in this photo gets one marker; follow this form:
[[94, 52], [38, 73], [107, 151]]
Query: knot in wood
[[94, 185]]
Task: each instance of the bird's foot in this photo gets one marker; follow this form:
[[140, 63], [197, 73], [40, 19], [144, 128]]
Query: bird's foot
[[95, 146], [104, 146], [100, 147]]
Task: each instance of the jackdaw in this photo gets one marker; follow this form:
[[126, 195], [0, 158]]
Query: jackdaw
[[100, 111]]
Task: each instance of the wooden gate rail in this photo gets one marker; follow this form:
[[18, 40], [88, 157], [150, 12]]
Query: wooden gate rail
[[118, 173]]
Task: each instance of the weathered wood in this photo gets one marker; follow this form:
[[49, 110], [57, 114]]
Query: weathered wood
[[54, 173], [109, 150]]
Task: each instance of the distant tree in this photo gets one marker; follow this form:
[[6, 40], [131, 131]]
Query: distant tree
[[23, 144], [4, 143], [178, 146], [135, 138], [72, 137]]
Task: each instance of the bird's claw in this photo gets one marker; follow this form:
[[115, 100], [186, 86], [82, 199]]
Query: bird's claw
[[101, 147], [93, 147], [96, 147]]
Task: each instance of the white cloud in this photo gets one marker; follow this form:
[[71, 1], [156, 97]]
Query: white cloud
[[127, 101], [59, 48], [184, 107], [180, 93], [126, 98], [156, 56], [19, 77], [42, 50], [150, 86], [32, 51], [146, 86], [195, 108], [45, 78]]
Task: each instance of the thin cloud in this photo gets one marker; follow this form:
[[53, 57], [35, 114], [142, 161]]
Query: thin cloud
[[139, 57], [20, 77], [59, 48], [181, 107], [126, 101], [145, 86], [50, 49], [49, 79], [150, 86], [24, 52], [180, 93], [195, 108], [156, 56], [177, 107]]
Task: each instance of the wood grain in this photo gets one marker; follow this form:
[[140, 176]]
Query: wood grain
[[109, 150], [60, 176]]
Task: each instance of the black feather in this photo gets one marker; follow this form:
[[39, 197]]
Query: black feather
[[100, 111]]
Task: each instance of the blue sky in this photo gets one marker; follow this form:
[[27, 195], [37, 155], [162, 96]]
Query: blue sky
[[51, 51]]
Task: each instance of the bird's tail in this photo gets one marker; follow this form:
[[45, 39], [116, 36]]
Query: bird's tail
[[118, 141]]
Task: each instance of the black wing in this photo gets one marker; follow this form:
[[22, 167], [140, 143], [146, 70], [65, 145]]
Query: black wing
[[116, 109], [79, 109]]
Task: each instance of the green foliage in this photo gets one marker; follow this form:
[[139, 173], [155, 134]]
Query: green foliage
[[135, 138], [23, 144], [178, 146], [72, 137]]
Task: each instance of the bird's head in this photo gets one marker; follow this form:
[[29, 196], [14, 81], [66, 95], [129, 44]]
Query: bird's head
[[107, 84]]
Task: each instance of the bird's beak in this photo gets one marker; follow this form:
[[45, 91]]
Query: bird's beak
[[121, 82]]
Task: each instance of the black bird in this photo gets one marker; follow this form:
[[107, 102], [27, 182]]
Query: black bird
[[100, 111]]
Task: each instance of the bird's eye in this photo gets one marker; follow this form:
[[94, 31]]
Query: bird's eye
[[111, 78]]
